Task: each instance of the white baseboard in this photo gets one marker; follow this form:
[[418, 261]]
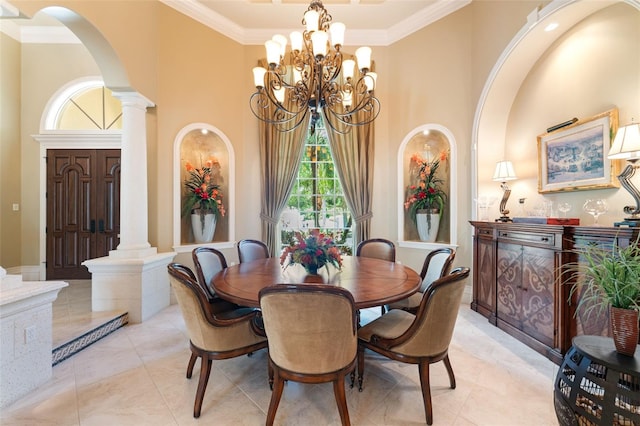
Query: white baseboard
[[28, 272]]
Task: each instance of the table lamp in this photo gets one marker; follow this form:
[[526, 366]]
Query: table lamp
[[504, 172], [626, 145]]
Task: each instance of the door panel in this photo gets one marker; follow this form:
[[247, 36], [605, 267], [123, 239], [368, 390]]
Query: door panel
[[83, 209]]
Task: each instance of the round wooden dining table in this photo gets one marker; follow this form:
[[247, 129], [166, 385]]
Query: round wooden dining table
[[372, 282]]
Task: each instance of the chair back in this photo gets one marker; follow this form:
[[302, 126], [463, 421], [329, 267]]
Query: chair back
[[311, 329], [436, 265], [249, 250], [205, 330], [208, 262], [378, 248], [432, 328]]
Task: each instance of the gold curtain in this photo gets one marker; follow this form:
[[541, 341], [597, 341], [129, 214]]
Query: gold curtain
[[280, 156], [353, 155]]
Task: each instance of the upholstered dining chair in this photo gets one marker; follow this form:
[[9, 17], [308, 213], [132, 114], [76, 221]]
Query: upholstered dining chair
[[249, 250], [377, 248], [208, 262], [422, 338], [211, 336], [312, 338], [436, 265]]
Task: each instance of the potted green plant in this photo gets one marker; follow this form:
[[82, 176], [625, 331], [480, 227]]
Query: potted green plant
[[610, 278], [425, 196]]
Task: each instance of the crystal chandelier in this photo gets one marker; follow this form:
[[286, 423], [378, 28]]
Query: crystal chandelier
[[313, 76]]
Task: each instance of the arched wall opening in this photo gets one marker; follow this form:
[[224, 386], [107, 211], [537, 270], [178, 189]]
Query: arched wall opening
[[501, 102]]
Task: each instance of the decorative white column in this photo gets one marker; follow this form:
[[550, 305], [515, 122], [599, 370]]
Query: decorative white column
[[133, 278], [134, 209]]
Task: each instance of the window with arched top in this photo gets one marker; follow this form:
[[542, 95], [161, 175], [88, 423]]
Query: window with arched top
[[427, 188], [84, 104], [203, 188]]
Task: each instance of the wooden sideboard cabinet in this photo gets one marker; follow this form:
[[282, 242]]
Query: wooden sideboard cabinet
[[521, 285]]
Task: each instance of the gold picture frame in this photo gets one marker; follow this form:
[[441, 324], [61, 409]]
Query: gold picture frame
[[574, 158]]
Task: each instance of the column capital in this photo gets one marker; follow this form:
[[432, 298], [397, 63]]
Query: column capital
[[131, 98]]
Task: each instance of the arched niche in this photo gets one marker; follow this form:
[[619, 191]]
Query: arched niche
[[431, 138], [195, 144]]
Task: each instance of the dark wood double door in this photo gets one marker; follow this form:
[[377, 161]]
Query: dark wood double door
[[83, 209]]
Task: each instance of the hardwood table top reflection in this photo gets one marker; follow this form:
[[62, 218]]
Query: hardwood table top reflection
[[372, 282]]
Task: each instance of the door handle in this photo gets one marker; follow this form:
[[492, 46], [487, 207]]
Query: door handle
[[101, 226], [92, 226]]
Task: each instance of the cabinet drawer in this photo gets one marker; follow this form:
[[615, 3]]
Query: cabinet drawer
[[547, 239]]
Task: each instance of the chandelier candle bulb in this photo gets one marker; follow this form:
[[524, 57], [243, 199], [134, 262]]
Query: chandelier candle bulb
[[312, 19], [348, 68], [337, 33], [363, 55], [282, 41], [273, 52], [319, 40], [371, 81], [296, 41], [346, 100], [258, 76], [279, 94]]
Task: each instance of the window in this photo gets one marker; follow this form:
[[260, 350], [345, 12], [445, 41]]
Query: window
[[317, 199], [93, 108]]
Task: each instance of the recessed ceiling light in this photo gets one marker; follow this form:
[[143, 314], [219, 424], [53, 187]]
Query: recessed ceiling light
[[552, 26]]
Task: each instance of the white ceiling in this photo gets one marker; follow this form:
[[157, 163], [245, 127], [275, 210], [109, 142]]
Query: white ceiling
[[371, 22]]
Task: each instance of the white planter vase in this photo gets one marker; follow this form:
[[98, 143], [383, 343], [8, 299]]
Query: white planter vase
[[428, 222], [203, 232]]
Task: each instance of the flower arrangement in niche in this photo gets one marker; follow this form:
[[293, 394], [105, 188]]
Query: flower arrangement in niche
[[313, 251], [425, 191], [202, 193]]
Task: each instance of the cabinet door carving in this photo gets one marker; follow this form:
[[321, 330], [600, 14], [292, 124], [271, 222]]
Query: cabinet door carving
[[525, 282]]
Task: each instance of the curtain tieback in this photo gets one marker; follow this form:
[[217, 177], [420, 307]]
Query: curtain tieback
[[268, 219], [362, 218]]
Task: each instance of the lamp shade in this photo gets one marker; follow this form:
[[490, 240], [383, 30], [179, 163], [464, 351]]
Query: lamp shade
[[626, 144], [504, 171]]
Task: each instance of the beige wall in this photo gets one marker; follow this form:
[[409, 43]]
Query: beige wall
[[10, 81], [194, 74], [592, 68]]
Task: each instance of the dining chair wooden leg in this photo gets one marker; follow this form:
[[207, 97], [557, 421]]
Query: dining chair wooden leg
[[452, 377], [205, 370], [423, 369], [270, 373], [360, 366], [341, 400], [192, 363], [276, 394]]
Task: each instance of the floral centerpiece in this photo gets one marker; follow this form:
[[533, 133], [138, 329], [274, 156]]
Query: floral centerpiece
[[203, 195], [426, 190], [313, 251]]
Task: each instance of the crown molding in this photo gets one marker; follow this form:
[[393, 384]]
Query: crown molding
[[196, 11], [425, 17], [215, 21]]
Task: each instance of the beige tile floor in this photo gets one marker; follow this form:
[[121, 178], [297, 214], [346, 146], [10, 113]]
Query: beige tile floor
[[136, 376], [72, 316]]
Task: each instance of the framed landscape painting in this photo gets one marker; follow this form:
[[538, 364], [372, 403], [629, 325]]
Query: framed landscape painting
[[574, 158]]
